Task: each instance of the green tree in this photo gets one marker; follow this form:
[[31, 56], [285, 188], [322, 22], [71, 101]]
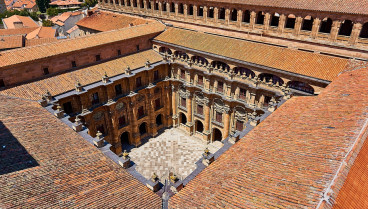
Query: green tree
[[90, 3], [52, 11], [47, 23], [43, 4]]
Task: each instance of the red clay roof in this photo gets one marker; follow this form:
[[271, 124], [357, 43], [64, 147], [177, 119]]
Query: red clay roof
[[27, 22], [45, 164], [42, 32], [16, 31], [39, 41], [304, 63], [105, 21], [65, 2], [290, 160], [11, 42]]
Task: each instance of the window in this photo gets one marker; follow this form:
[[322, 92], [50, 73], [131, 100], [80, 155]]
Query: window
[[200, 80], [98, 58], [239, 125], [219, 117], [182, 74], [46, 71], [140, 112], [138, 82], [95, 99], [183, 102], [2, 84], [68, 108], [118, 90], [200, 109], [157, 104], [119, 52], [137, 48], [155, 75], [220, 87], [74, 64], [122, 121], [242, 94], [101, 128]]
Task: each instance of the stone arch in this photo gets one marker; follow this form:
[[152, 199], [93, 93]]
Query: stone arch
[[219, 64], [346, 28], [200, 59], [182, 118], [124, 138], [326, 25], [260, 18], [246, 16], [244, 71], [274, 21], [216, 134], [143, 129], [199, 126], [364, 31], [181, 54], [164, 50], [234, 15], [301, 86], [290, 21], [307, 24], [269, 77], [159, 120]]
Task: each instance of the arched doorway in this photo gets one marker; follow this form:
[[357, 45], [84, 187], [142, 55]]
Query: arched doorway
[[143, 128], [216, 135], [199, 126], [124, 138], [159, 120], [183, 118]]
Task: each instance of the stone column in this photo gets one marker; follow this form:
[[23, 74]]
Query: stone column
[[282, 22], [252, 19], [240, 17], [252, 98], [315, 27], [145, 5], [168, 9], [195, 12], [185, 11], [126, 3], [160, 8], [355, 33], [152, 114], [335, 30], [176, 9], [207, 115], [237, 93], [133, 121], [298, 26], [174, 106], [226, 124], [190, 113], [267, 19], [168, 106], [205, 14], [215, 14], [152, 7], [227, 16]]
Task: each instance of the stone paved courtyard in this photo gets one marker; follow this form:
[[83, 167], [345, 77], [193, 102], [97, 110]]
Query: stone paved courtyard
[[172, 151]]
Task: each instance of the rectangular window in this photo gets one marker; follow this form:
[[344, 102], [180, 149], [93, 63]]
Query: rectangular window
[[101, 128], [122, 121], [46, 71], [200, 109], [119, 52], [219, 117], [2, 84], [242, 94], [74, 64], [138, 82], [182, 74], [157, 104], [98, 58], [220, 87], [68, 108], [183, 102], [140, 112], [137, 48], [118, 90], [200, 80], [95, 99], [155, 75], [239, 125]]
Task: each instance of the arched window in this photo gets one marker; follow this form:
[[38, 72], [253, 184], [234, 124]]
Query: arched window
[[222, 14], [200, 11], [200, 60], [155, 5], [301, 86], [246, 16], [159, 120], [172, 7], [210, 12], [364, 31], [163, 6], [143, 128], [234, 15], [326, 25], [165, 50], [271, 78], [190, 9], [346, 28], [180, 54], [216, 135], [181, 9], [124, 138], [260, 18], [290, 21], [199, 126], [307, 23], [244, 71], [275, 20], [182, 118], [220, 65]]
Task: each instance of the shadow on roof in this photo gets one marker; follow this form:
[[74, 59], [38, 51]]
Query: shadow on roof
[[13, 156]]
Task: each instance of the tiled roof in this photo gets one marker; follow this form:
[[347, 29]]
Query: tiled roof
[[38, 41], [11, 42], [105, 21], [290, 160], [65, 2], [12, 57], [16, 31], [26, 21], [64, 16], [343, 6], [303, 63], [72, 29], [42, 32], [45, 164], [66, 82]]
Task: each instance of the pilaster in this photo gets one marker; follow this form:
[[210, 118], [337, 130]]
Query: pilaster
[[215, 14], [252, 19], [282, 22], [227, 16], [315, 27], [298, 26], [240, 17], [355, 33], [335, 30], [267, 19], [205, 14]]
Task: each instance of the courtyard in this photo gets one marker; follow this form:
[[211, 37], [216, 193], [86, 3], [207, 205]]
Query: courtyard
[[174, 150]]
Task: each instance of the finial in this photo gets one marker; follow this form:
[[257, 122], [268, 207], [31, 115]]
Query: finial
[[125, 155]]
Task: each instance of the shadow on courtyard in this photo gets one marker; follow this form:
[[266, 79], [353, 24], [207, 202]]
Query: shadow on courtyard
[[13, 156]]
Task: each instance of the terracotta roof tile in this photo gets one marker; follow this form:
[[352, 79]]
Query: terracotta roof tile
[[105, 21], [26, 21], [66, 82], [42, 32], [12, 57], [39, 41], [291, 158], [16, 31], [304, 63], [45, 164], [11, 42]]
